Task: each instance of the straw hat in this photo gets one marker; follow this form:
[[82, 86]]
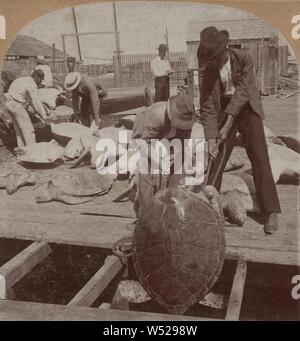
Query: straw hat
[[72, 80], [181, 111], [40, 59]]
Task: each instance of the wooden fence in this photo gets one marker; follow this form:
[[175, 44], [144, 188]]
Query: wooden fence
[[136, 68]]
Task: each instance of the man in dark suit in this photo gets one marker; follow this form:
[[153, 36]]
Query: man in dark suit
[[230, 103]]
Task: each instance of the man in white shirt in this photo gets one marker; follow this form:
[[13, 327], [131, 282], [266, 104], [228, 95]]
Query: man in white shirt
[[48, 80], [24, 91], [161, 69]]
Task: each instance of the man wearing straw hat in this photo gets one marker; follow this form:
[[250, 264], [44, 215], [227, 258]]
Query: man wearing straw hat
[[41, 65], [163, 121], [161, 69], [89, 90], [230, 103]]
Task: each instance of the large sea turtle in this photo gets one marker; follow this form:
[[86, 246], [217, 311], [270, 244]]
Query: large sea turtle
[[178, 248], [73, 186], [40, 153], [237, 194], [65, 131], [115, 138], [13, 176]]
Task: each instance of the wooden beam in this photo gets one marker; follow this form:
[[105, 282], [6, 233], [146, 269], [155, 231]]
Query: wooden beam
[[87, 33], [21, 264], [29, 311], [96, 285], [77, 35], [236, 295]]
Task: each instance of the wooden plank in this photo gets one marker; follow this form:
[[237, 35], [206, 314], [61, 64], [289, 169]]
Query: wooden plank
[[96, 285], [28, 311], [21, 264], [236, 295]]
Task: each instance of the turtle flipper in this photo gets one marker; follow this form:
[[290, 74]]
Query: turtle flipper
[[235, 207], [71, 200], [81, 157], [11, 184]]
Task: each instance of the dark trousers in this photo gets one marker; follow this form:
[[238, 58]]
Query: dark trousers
[[250, 126], [162, 89], [86, 114]]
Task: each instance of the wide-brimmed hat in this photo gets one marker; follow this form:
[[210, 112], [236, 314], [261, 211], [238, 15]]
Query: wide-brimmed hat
[[212, 41], [40, 59], [163, 47], [181, 111], [72, 80]]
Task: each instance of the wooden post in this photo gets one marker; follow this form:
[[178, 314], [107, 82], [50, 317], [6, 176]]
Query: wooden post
[[77, 35], [117, 60], [53, 57], [64, 51], [237, 290], [21, 264], [96, 285]]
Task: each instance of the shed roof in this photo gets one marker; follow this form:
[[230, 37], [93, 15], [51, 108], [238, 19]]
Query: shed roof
[[27, 46], [238, 29]]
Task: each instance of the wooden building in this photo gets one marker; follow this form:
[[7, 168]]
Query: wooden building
[[253, 35]]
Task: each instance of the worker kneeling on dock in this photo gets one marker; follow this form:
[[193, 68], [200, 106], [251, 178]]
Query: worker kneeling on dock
[[22, 92], [90, 91], [230, 103]]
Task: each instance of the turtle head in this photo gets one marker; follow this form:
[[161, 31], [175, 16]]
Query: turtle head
[[43, 193]]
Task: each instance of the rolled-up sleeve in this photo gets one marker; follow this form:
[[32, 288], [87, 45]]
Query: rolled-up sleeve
[[36, 103]]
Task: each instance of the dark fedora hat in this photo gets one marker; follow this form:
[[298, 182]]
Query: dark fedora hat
[[212, 41], [163, 47], [181, 111]]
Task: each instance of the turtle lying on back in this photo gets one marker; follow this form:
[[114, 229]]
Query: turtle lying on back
[[73, 186], [13, 176], [238, 196], [178, 248]]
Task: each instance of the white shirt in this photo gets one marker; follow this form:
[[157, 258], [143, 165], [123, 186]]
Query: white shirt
[[24, 90], [226, 78], [48, 80], [160, 67]]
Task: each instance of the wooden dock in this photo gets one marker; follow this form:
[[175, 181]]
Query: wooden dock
[[54, 222], [43, 224]]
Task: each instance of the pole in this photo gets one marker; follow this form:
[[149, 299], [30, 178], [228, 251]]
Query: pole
[[77, 36], [53, 57], [64, 51], [118, 69]]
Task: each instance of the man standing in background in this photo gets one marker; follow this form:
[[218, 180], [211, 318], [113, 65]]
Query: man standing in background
[[41, 65], [161, 69]]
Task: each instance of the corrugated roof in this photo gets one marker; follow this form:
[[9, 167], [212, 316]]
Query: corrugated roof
[[27, 46], [238, 29]]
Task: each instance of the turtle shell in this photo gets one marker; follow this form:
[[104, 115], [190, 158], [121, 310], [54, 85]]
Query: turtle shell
[[178, 248], [81, 182]]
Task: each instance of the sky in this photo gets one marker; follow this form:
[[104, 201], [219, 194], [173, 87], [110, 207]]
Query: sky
[[142, 25]]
